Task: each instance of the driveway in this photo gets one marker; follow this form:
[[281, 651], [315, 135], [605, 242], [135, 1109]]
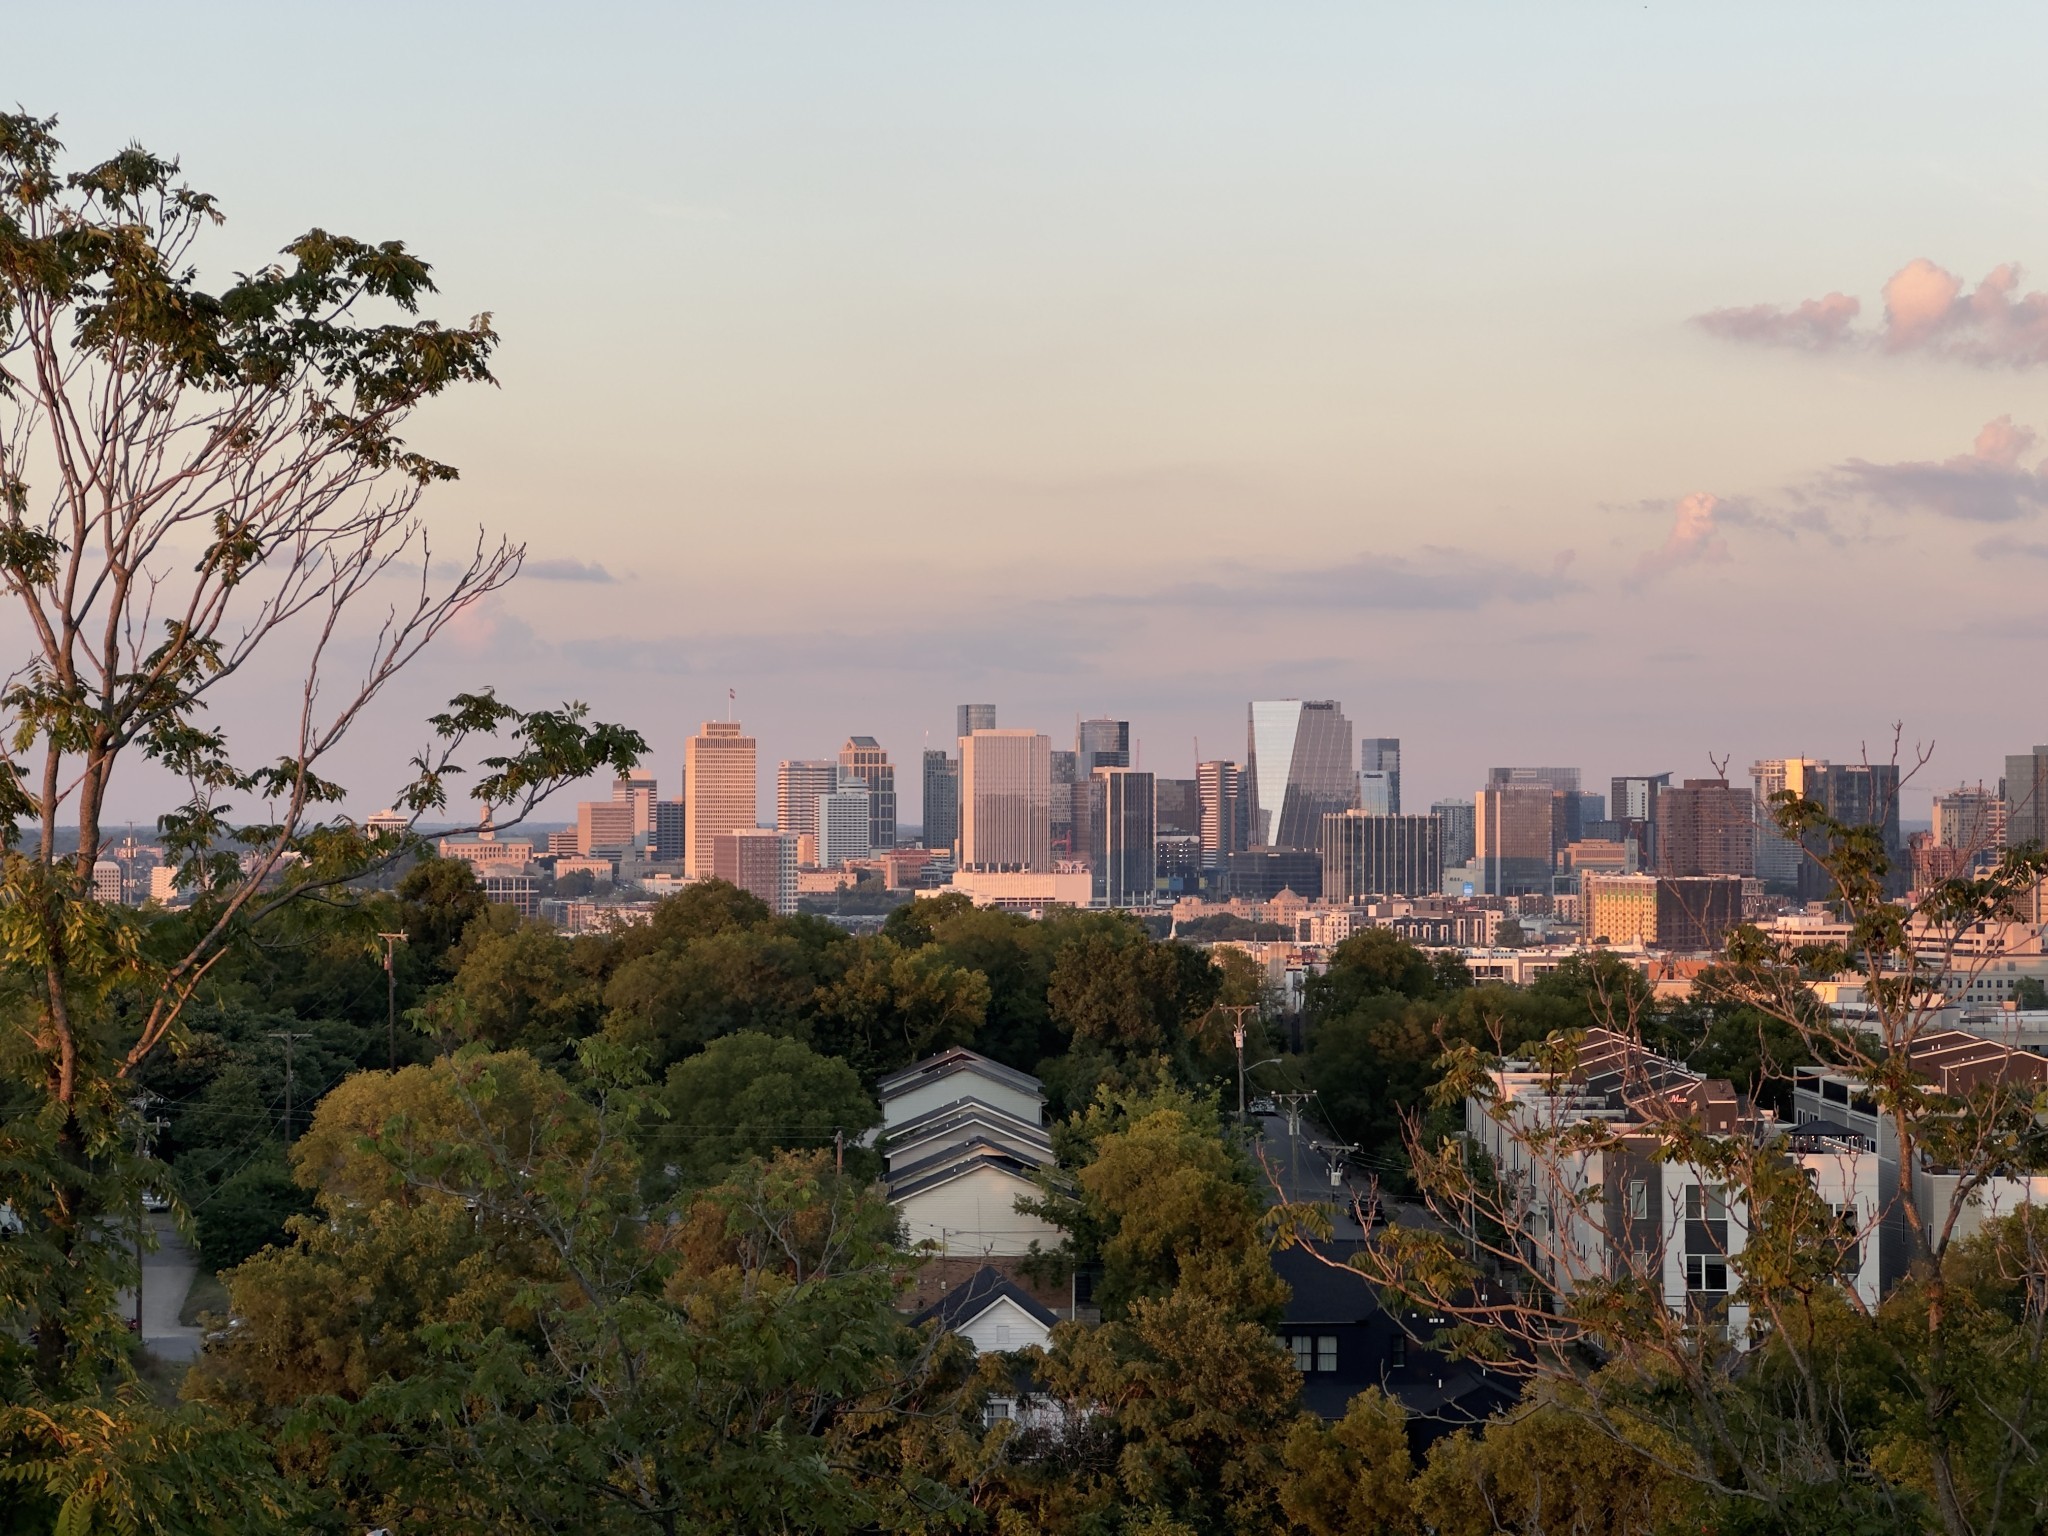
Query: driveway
[[167, 1274]]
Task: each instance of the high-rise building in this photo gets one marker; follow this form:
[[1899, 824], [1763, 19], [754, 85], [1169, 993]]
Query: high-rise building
[[1514, 827], [720, 789], [1632, 812], [1378, 792], [1972, 823], [1705, 827], [667, 844], [864, 758], [974, 717], [637, 789], [1067, 807], [1122, 821], [1178, 804], [2026, 798], [1382, 755], [845, 822], [798, 783], [1460, 833], [1372, 855], [1005, 801], [1778, 857], [1260, 874], [1855, 794], [1225, 812], [604, 827], [1297, 770], [941, 800], [1563, 780], [1101, 743], [758, 859]]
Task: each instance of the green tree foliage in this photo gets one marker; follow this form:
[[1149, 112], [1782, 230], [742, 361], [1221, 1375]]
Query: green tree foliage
[[248, 1211], [1354, 1477], [752, 1095]]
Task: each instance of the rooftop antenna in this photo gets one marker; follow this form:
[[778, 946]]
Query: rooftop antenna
[[732, 700]]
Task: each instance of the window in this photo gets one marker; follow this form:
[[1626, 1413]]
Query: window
[[1304, 1352], [1397, 1352], [1002, 1336], [997, 1410], [1326, 1352], [1638, 1200], [1704, 1203], [1705, 1272]]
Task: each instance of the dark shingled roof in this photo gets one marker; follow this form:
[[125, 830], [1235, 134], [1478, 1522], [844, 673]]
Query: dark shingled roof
[[982, 1290], [959, 1059]]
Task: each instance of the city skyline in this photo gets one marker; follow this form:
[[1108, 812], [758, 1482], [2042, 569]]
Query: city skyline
[[1390, 284]]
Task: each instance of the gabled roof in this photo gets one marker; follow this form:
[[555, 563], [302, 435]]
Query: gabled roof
[[980, 1146], [1024, 1135], [946, 1063], [982, 1290], [958, 1163]]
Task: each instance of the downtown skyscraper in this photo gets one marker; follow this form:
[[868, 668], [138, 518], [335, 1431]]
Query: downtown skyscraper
[[1297, 770]]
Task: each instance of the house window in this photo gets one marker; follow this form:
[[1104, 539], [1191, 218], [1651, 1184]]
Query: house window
[[1002, 1336], [1326, 1352], [1397, 1353], [1705, 1272], [997, 1410], [1704, 1203], [1304, 1352], [1638, 1200]]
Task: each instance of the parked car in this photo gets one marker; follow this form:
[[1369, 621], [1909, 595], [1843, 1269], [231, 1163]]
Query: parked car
[[1264, 1106]]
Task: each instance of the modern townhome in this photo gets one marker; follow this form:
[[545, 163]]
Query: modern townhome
[[964, 1139], [1628, 1207], [1953, 1062]]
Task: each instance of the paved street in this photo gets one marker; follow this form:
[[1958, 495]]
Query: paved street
[[167, 1275]]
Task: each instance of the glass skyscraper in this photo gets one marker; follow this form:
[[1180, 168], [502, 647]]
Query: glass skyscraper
[[1297, 770]]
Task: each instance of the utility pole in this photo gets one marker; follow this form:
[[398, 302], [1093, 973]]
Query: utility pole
[[839, 1151], [1294, 1102], [288, 1037], [391, 995], [1237, 1011]]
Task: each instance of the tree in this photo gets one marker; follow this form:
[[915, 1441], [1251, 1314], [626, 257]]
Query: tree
[[518, 984], [751, 1095], [249, 1210], [190, 480], [1374, 962], [891, 1006], [1354, 1477], [1823, 1411]]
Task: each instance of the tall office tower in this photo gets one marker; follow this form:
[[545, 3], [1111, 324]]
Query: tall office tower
[[1297, 770], [1122, 820], [974, 717], [941, 801], [1005, 801], [1367, 855], [845, 820], [1632, 806], [1778, 858], [1178, 804], [604, 826], [1098, 743], [864, 758], [761, 860], [1382, 754], [798, 783], [2026, 798], [637, 790], [1705, 827], [1101, 743], [1691, 913], [1971, 822], [720, 788], [1225, 812], [1063, 815], [1564, 780], [1513, 827], [667, 844], [1460, 830], [1378, 793]]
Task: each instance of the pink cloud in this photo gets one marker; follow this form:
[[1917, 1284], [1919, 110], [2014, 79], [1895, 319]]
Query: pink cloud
[[1815, 326], [1927, 309], [1986, 485], [1695, 539]]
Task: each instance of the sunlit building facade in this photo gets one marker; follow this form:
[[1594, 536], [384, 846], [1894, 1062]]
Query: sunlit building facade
[[1298, 769], [1006, 800]]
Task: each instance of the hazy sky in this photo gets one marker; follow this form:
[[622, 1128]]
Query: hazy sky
[[1596, 384]]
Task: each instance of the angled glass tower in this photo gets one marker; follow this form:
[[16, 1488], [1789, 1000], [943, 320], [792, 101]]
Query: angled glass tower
[[1297, 770]]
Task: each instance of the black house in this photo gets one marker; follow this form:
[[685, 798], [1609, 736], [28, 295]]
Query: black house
[[1344, 1342]]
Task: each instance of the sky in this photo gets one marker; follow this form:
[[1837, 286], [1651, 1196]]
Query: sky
[[1614, 385]]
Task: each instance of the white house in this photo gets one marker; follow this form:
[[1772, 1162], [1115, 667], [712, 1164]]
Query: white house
[[954, 1077], [993, 1313]]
